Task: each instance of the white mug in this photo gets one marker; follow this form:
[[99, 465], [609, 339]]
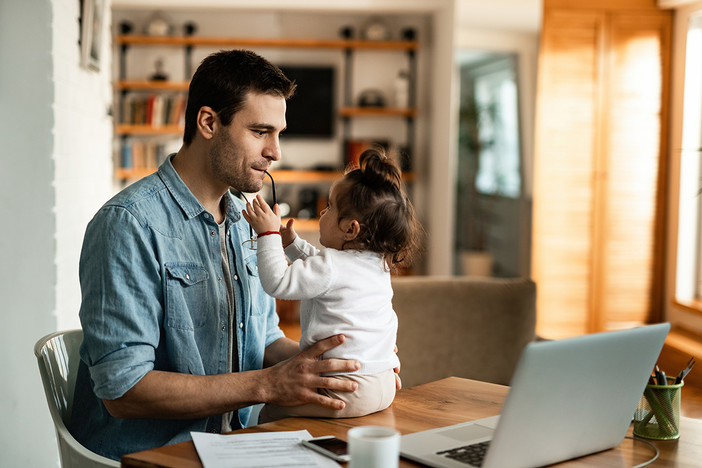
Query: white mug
[[373, 447]]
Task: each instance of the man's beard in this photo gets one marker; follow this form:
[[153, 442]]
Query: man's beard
[[221, 158]]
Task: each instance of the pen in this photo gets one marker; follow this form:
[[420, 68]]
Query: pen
[[660, 377], [685, 371]]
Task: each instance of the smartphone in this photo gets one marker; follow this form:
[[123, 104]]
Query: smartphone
[[332, 447]]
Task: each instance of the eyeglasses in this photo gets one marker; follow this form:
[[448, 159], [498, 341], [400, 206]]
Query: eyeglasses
[[251, 242]]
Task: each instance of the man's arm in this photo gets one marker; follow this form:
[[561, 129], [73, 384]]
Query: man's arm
[[292, 381]]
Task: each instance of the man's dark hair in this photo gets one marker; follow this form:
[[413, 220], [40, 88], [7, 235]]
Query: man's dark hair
[[222, 82]]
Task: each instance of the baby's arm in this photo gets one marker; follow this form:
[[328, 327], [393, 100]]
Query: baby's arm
[[302, 279], [261, 217], [296, 281], [300, 249]]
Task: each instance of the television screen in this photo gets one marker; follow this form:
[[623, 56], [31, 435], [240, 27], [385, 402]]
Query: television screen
[[310, 111]]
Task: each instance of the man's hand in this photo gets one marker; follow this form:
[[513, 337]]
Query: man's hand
[[398, 380], [260, 216], [295, 381]]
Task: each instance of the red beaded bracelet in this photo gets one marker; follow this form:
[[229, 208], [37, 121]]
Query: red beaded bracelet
[[267, 233]]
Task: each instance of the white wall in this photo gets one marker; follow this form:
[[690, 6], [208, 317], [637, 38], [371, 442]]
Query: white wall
[[82, 150], [55, 168], [27, 246]]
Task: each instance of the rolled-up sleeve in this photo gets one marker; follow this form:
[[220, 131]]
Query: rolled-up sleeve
[[273, 331], [122, 305]]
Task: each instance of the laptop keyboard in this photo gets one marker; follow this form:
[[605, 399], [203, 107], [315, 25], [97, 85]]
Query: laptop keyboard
[[469, 454]]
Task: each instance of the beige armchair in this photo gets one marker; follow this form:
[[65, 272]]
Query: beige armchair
[[461, 326]]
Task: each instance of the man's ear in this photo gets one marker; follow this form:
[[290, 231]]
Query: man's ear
[[351, 230], [207, 122]]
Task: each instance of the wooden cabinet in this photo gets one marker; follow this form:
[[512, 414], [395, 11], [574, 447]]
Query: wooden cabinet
[[602, 107], [145, 133]]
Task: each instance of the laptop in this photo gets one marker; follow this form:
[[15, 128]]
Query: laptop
[[568, 398]]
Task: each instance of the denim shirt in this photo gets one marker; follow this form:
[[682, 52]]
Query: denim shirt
[[153, 298]]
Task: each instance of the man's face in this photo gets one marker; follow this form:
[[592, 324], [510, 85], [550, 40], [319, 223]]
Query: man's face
[[242, 151]]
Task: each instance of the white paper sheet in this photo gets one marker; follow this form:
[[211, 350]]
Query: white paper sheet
[[258, 450]]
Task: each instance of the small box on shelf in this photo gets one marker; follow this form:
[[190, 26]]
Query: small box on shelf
[[355, 147]]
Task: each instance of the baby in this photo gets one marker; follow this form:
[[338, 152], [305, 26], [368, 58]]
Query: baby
[[368, 228]]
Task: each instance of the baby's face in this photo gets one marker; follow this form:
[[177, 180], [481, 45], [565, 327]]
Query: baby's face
[[331, 234]]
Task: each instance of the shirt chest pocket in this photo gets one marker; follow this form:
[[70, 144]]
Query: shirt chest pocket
[[259, 299], [188, 296]]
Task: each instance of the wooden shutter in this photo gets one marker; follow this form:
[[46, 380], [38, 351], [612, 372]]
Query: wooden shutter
[[598, 173]]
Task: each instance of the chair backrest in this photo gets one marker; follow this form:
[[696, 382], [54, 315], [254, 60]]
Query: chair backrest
[[58, 359], [462, 326]]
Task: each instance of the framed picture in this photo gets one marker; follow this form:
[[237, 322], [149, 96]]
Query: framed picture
[[92, 17]]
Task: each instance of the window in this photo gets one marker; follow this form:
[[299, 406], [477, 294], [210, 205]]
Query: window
[[689, 255], [489, 104]]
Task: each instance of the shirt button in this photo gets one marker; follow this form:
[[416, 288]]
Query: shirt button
[[236, 277], [219, 278], [212, 233], [223, 327], [241, 324]]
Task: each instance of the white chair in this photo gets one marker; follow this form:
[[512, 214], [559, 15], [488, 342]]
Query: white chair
[[58, 358]]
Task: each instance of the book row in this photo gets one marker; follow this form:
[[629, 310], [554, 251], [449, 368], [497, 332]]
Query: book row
[[143, 154], [153, 109]]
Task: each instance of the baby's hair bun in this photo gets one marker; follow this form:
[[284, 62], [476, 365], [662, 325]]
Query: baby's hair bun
[[379, 169]]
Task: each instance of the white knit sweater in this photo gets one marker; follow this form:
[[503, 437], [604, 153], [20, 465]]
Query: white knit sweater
[[341, 291]]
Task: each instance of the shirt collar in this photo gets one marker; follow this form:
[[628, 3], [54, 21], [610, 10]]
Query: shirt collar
[[190, 205]]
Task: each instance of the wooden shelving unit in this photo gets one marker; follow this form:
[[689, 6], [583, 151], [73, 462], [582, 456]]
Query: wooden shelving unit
[[145, 85], [123, 86], [347, 111], [293, 43], [305, 224], [128, 129], [377, 112], [285, 176]]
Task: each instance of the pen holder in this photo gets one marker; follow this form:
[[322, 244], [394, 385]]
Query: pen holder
[[658, 413]]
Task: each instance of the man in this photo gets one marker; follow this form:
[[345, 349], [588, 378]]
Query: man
[[178, 333]]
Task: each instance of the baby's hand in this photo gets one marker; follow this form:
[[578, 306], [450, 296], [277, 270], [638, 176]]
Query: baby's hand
[[260, 216], [288, 233]]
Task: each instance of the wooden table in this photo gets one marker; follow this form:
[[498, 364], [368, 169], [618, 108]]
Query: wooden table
[[445, 402]]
